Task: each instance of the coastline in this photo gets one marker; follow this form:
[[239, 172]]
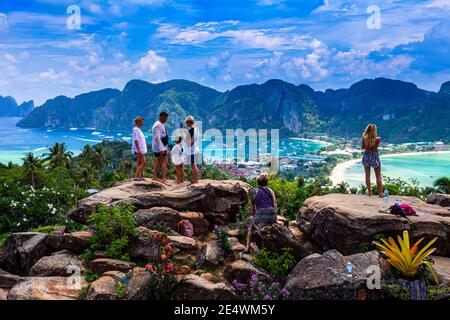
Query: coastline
[[337, 175]]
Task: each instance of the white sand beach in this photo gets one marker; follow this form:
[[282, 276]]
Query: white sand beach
[[338, 173]]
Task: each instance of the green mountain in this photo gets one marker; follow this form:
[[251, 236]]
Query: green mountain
[[10, 108], [402, 111]]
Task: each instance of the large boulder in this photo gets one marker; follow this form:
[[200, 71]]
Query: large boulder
[[102, 289], [75, 242], [211, 255], [345, 222], [275, 237], [215, 196], [139, 286], [150, 217], [193, 287], [22, 250], [241, 271], [324, 277], [440, 199], [103, 265], [183, 243], [8, 280], [46, 288], [442, 267], [59, 265], [145, 247]]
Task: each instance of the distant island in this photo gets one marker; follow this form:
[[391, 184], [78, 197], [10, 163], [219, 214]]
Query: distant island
[[10, 108], [402, 111]]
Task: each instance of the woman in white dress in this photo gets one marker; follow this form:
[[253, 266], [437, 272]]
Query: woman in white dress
[[192, 150], [139, 148]]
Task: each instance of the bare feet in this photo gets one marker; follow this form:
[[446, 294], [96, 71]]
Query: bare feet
[[165, 182]]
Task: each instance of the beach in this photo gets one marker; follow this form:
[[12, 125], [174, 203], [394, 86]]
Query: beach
[[340, 172]]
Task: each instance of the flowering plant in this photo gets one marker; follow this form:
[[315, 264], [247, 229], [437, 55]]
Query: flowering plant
[[24, 208], [221, 234], [260, 287], [163, 271]]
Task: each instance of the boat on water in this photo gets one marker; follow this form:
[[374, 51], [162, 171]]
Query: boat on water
[[96, 133], [73, 129], [126, 138]]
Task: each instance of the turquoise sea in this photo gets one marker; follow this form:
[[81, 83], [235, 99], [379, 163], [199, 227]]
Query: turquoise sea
[[426, 168], [15, 142]]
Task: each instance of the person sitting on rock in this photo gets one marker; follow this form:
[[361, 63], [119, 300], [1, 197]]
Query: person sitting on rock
[[264, 208]]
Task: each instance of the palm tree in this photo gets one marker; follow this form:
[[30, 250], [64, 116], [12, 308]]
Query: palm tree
[[31, 165], [443, 184], [58, 155], [342, 187], [362, 189]]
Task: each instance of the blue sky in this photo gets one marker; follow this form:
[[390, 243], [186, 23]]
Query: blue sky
[[222, 44]]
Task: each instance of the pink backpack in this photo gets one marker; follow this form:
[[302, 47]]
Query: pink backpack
[[185, 228], [409, 211]]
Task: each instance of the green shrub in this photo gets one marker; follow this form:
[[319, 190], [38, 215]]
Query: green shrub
[[114, 229], [45, 229], [83, 293], [24, 208], [90, 276], [277, 264], [3, 237]]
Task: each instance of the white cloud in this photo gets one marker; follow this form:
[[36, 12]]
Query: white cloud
[[10, 58], [3, 22], [267, 3], [228, 31], [152, 66]]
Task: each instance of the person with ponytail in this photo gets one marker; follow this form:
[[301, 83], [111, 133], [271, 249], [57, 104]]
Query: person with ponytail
[[371, 158]]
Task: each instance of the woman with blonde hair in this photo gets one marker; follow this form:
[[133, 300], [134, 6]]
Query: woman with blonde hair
[[371, 158], [139, 147], [191, 138]]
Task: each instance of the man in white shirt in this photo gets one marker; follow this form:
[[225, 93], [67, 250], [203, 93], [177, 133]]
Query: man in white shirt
[[160, 142]]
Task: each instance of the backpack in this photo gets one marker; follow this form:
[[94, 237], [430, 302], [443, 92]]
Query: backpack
[[185, 228], [402, 210], [409, 211]]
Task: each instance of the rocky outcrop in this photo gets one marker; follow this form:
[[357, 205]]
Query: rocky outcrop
[[442, 200], [193, 287], [275, 237], [208, 196], [22, 250], [46, 288], [150, 217], [344, 222], [59, 265], [324, 277]]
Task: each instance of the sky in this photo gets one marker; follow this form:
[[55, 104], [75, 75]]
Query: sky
[[67, 47]]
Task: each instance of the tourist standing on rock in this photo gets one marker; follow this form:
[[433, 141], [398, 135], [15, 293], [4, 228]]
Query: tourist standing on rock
[[160, 142], [139, 148], [178, 159], [192, 150], [264, 208], [371, 158]]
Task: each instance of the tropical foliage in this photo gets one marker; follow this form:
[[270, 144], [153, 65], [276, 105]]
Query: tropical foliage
[[277, 264], [405, 258]]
